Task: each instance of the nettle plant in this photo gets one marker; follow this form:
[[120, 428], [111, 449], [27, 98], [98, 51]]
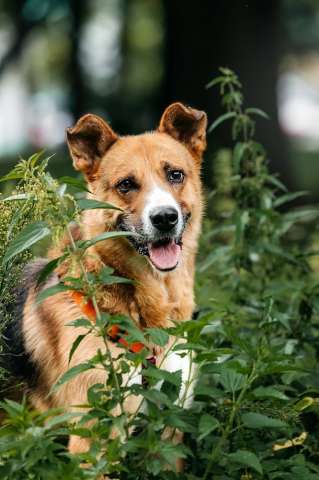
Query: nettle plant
[[255, 411]]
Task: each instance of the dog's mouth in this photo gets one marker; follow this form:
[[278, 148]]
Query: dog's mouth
[[164, 254]]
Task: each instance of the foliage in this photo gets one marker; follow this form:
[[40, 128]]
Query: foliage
[[255, 412]]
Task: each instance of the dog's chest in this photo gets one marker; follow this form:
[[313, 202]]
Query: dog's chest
[[180, 363], [184, 365]]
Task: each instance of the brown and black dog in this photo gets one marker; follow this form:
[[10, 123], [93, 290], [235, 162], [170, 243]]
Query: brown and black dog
[[155, 179]]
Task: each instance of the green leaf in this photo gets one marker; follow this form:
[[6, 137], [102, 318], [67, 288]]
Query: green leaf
[[232, 380], [80, 322], [155, 396], [58, 419], [207, 424], [249, 459], [104, 236], [172, 391], [106, 277], [75, 345], [182, 420], [18, 196], [74, 182], [50, 291], [13, 175], [72, 373], [220, 120], [158, 336], [156, 373], [301, 214], [239, 151], [30, 235], [258, 420], [90, 204], [289, 197], [257, 111], [217, 254], [276, 182], [269, 392], [215, 81], [49, 268]]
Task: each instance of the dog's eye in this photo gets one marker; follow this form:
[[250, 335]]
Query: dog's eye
[[126, 185], [175, 176]]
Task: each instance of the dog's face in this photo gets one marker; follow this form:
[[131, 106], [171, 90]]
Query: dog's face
[[153, 178]]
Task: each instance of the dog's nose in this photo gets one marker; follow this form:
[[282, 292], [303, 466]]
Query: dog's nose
[[164, 218]]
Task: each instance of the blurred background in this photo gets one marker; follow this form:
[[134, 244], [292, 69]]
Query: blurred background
[[126, 60]]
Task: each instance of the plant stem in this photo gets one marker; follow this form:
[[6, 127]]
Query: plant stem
[[98, 316], [236, 405]]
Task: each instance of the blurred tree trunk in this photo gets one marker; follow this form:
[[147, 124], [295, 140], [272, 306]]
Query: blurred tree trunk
[[75, 73], [22, 29], [245, 36]]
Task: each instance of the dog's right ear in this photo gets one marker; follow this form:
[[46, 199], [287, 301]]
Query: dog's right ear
[[88, 141]]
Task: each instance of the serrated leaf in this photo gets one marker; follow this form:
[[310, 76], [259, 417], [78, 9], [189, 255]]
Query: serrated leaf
[[207, 424], [156, 373], [157, 336], [28, 237], [172, 391], [258, 420], [269, 392], [182, 420], [232, 380], [91, 204], [155, 396], [249, 459]]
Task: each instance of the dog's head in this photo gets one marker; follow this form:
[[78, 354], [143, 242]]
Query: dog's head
[[153, 178]]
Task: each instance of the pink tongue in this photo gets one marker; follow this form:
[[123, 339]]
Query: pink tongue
[[165, 257]]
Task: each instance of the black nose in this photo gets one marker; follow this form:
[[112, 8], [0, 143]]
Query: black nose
[[164, 218]]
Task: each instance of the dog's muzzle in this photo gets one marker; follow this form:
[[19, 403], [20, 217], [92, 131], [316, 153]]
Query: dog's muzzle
[[162, 244]]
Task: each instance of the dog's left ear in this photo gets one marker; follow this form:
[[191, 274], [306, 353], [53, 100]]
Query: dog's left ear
[[88, 141], [186, 125]]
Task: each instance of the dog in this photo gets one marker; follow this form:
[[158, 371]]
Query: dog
[[154, 179]]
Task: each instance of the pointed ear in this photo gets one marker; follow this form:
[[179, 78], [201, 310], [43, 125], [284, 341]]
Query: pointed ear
[[186, 125], [88, 141]]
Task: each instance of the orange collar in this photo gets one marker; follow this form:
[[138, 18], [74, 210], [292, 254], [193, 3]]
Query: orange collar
[[114, 331]]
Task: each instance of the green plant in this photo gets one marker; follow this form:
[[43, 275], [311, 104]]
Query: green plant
[[30, 445], [264, 309], [255, 411]]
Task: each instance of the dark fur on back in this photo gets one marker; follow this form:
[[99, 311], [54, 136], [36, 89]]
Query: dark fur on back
[[16, 358]]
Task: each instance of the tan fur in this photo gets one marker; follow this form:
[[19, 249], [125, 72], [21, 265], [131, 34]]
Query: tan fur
[[156, 298]]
